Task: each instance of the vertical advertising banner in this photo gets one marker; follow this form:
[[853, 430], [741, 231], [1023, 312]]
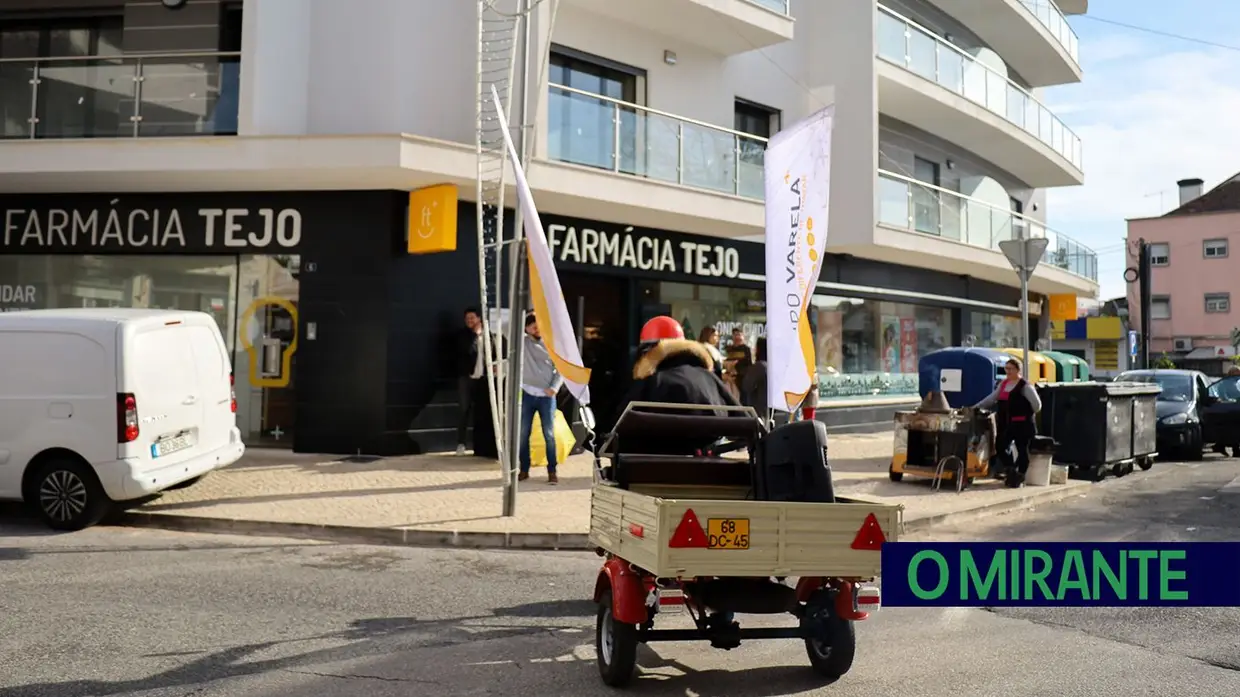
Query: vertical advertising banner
[[545, 292], [798, 193]]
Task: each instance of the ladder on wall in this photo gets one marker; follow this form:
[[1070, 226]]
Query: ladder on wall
[[499, 25]]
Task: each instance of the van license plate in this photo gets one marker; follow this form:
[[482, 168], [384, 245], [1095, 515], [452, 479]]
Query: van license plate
[[727, 533], [167, 446]]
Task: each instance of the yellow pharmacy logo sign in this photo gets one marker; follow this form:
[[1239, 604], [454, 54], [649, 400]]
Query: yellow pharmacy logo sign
[[432, 219]]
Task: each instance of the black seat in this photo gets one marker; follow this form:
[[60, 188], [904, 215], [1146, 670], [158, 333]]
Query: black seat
[[651, 446]]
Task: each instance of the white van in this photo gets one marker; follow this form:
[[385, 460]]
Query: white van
[[103, 405]]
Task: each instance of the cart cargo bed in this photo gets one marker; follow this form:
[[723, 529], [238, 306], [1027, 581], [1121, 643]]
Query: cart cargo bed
[[782, 539]]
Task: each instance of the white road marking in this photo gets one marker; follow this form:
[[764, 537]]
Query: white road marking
[[1232, 487]]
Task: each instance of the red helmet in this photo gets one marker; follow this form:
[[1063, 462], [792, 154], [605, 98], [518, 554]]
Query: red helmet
[[660, 328]]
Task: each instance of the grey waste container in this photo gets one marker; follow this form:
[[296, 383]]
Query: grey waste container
[[1100, 427]]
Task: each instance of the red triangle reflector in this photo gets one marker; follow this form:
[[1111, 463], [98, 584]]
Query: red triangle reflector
[[870, 536], [689, 533]]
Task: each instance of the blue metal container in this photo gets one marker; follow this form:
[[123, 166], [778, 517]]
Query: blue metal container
[[964, 375]]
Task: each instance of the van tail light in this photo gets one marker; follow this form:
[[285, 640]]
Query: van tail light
[[232, 391], [126, 418]]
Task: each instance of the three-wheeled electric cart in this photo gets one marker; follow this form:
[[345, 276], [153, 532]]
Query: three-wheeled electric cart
[[686, 530]]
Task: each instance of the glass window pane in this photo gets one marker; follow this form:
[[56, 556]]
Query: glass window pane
[[19, 43]]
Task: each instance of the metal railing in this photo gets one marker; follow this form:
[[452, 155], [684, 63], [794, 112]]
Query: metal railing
[[1049, 14], [916, 49], [908, 204], [780, 6], [134, 95], [585, 128]]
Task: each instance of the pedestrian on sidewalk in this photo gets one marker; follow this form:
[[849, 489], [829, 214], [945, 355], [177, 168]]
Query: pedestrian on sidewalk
[[709, 337], [470, 373], [753, 389], [540, 382], [1017, 402]]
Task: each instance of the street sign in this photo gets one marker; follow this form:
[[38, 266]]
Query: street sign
[[1024, 254], [1134, 342]]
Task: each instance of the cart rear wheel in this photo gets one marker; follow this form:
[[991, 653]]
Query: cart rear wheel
[[893, 474], [616, 645], [835, 658]]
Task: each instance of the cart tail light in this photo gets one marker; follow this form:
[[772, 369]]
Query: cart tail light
[[867, 598], [232, 391], [671, 596], [126, 418], [870, 536]]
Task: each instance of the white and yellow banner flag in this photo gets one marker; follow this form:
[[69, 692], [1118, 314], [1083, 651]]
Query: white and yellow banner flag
[[545, 291], [798, 193]]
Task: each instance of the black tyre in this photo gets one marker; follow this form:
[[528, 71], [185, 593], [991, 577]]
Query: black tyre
[[1194, 449], [894, 475], [1145, 463], [186, 484], [1099, 473], [616, 645], [67, 494], [834, 658]]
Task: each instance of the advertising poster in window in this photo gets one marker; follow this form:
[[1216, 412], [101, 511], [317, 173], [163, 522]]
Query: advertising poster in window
[[830, 341], [890, 344], [908, 345]]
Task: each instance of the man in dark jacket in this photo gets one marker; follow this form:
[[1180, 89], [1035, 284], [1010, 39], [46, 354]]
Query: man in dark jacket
[[674, 370]]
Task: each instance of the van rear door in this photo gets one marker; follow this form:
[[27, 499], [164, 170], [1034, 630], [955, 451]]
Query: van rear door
[[214, 384], [162, 372]]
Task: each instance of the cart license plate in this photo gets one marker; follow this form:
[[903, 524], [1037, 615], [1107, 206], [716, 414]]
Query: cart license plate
[[167, 446], [727, 533]]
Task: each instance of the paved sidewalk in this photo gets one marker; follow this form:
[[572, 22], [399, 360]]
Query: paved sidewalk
[[449, 500]]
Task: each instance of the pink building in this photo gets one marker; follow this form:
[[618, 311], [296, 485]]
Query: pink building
[[1194, 278]]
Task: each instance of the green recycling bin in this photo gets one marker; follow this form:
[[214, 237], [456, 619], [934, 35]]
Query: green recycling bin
[[1069, 367]]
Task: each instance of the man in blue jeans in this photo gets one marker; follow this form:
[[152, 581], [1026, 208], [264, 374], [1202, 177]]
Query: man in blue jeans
[[540, 382]]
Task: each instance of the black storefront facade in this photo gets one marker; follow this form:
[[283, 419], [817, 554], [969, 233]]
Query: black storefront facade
[[343, 342]]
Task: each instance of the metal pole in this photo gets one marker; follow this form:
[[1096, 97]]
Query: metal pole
[[516, 291], [1024, 307], [1146, 299]]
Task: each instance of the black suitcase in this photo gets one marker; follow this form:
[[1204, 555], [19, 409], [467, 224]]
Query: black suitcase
[[791, 463]]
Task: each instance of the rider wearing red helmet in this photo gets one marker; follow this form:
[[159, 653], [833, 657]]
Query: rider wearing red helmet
[[675, 370]]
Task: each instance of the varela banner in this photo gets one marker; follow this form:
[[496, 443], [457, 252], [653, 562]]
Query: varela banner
[[798, 193], [545, 291]]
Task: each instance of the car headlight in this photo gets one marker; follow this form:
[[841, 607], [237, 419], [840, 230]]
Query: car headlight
[[1176, 419]]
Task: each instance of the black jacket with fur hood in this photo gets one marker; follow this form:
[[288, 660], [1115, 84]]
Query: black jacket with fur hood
[[676, 371]]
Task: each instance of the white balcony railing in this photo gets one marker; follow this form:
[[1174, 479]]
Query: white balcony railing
[[1052, 18], [905, 203], [584, 128], [916, 49], [130, 96]]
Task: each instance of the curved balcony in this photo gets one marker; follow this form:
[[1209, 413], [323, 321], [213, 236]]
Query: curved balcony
[[926, 81], [907, 204], [1032, 36], [726, 27]]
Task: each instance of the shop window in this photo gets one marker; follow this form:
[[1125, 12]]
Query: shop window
[[253, 299], [871, 348], [994, 330]]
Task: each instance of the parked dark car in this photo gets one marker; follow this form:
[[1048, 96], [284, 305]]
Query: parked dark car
[[1192, 413]]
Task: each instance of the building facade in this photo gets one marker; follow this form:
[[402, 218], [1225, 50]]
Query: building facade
[[253, 160], [1191, 320]]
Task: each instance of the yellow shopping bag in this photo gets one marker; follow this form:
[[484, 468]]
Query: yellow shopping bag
[[564, 440]]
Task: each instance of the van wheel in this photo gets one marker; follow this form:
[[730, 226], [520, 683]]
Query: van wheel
[[68, 495]]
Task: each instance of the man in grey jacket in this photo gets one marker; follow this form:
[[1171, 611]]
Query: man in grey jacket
[[540, 382]]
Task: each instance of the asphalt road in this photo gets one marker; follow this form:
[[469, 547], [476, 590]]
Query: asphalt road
[[155, 614]]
